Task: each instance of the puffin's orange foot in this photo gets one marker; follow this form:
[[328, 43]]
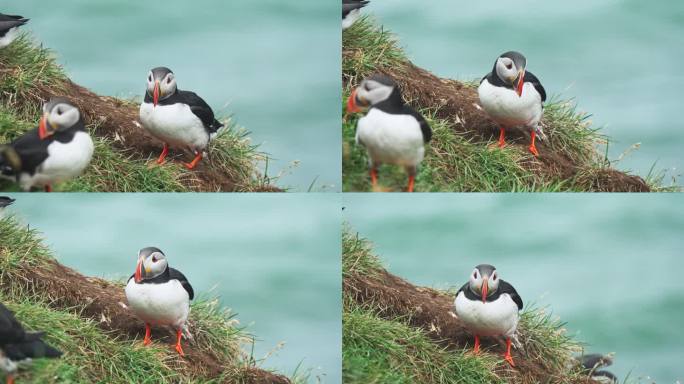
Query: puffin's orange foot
[[476, 349], [179, 349], [162, 157], [533, 150], [10, 379], [148, 332], [194, 162], [509, 359]]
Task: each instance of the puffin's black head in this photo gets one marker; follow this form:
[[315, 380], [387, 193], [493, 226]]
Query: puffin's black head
[[5, 201], [371, 91], [151, 263], [161, 83], [59, 114], [510, 68], [484, 280]]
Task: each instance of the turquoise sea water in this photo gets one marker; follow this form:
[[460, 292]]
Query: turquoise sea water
[[619, 59], [274, 65], [608, 265], [273, 259]]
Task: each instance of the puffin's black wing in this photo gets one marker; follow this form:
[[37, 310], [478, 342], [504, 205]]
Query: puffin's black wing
[[176, 274], [32, 347], [5, 201], [32, 150], [10, 328], [505, 287], [8, 22], [201, 109], [424, 126], [350, 5], [531, 78]]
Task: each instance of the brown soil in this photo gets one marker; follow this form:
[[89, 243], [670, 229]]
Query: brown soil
[[392, 297], [457, 103], [104, 302]]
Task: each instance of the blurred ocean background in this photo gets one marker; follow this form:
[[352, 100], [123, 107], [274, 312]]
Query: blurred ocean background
[[274, 65], [609, 265], [272, 259], [620, 60]]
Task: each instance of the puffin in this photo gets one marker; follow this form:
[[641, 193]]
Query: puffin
[[351, 10], [591, 363], [513, 97], [391, 131], [489, 306], [177, 118], [19, 347], [6, 201], [159, 295], [59, 149], [9, 28]]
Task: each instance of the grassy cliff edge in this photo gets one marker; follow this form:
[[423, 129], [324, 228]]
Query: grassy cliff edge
[[86, 318]]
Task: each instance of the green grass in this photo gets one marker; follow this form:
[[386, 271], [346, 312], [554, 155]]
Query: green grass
[[28, 70], [453, 161], [92, 355], [382, 350]]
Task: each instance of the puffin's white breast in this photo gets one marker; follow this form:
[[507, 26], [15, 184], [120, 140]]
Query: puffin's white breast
[[9, 37], [391, 139], [65, 161], [162, 304], [505, 107], [498, 317], [174, 124]]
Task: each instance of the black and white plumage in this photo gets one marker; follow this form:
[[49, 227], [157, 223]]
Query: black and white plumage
[[177, 118], [19, 347], [159, 295], [513, 97], [591, 364], [351, 11], [9, 28], [6, 201], [392, 132], [489, 306], [59, 149]]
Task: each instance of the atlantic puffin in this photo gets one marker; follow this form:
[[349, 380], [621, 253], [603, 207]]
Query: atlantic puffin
[[177, 118], [513, 97], [351, 10], [592, 363], [19, 347], [392, 132], [489, 306], [6, 201], [159, 295], [9, 28], [59, 149]]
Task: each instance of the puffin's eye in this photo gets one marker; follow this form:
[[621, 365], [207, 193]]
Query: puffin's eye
[[494, 277], [154, 259], [509, 66], [149, 78], [474, 275]]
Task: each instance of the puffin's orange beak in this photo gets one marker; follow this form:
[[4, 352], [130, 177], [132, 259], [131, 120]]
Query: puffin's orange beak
[[138, 270], [352, 107], [485, 289], [155, 94], [42, 128], [521, 83]]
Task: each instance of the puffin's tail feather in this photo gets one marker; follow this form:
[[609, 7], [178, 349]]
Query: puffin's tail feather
[[214, 129]]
